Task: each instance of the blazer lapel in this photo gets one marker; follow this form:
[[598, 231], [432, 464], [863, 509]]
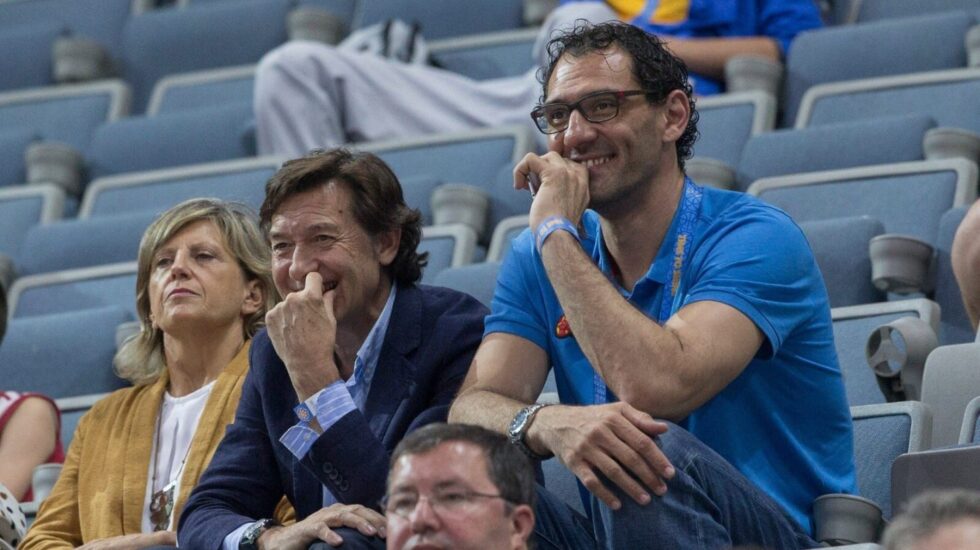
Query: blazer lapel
[[139, 451], [394, 378]]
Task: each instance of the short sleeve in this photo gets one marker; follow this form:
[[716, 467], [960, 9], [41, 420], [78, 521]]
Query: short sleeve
[[761, 265], [517, 300]]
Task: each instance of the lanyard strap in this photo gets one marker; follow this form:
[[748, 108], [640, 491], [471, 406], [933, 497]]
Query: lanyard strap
[[690, 209]]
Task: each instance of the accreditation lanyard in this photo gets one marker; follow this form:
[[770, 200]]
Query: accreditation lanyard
[[690, 208]]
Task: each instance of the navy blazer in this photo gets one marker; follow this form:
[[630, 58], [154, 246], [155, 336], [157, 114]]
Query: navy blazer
[[430, 342]]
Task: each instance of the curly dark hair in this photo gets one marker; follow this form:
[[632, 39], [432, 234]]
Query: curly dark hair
[[376, 200], [656, 69]]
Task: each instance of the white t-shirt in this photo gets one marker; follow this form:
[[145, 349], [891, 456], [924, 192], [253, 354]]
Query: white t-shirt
[[178, 422]]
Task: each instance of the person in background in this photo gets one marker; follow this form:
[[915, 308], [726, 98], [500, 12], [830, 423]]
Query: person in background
[[202, 290], [947, 519], [30, 428], [310, 95], [459, 486]]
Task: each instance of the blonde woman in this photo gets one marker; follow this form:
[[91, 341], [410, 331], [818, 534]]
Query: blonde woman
[[203, 287]]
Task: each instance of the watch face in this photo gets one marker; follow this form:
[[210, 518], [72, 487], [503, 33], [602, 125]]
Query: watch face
[[517, 424]]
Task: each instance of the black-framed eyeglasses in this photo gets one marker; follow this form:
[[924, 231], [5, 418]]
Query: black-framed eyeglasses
[[444, 503], [552, 118]]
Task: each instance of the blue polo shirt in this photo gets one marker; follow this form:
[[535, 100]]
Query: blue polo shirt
[[784, 421], [780, 20]]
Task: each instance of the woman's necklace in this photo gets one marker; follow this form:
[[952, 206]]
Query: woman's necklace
[[162, 501]]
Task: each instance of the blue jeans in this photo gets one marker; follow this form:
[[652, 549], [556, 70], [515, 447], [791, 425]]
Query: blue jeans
[[708, 505]]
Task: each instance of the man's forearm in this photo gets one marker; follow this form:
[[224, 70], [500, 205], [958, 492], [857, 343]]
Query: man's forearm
[[618, 339]]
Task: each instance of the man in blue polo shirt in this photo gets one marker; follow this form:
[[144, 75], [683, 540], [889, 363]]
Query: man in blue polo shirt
[[664, 300]]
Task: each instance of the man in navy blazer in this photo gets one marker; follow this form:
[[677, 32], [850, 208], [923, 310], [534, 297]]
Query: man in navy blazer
[[355, 357]]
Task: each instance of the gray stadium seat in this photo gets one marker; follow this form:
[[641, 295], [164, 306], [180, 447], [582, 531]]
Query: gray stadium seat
[[76, 289], [88, 242], [450, 245], [729, 120], [444, 18], [69, 114], [950, 381], [195, 136], [935, 469], [908, 198], [946, 96], [235, 180], [63, 354], [840, 246], [477, 280], [849, 144], [207, 88], [926, 43], [954, 327], [854, 325], [23, 207], [490, 55], [968, 431]]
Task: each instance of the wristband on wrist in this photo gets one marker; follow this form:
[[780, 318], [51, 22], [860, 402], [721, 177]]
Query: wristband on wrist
[[549, 226]]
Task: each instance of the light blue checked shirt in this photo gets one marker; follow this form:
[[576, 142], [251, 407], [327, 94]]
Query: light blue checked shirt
[[331, 403]]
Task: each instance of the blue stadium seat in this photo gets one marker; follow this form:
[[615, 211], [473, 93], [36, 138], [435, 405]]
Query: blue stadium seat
[[969, 432], [99, 20], [236, 180], [477, 280], [484, 158], [13, 144], [954, 327], [75, 289], [417, 191], [219, 34], [729, 120], [88, 242], [881, 434], [26, 62], [908, 198], [169, 140], [926, 43], [64, 354], [490, 55], [865, 142], [209, 88], [840, 246], [946, 96], [444, 18], [24, 207], [852, 327], [450, 245], [876, 10], [69, 114]]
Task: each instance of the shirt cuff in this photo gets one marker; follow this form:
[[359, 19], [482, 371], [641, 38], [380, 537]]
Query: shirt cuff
[[234, 538], [329, 405]]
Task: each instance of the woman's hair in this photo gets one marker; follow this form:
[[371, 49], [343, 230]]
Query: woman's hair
[[141, 359]]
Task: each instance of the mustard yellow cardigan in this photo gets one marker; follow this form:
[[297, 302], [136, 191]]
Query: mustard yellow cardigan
[[100, 492]]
